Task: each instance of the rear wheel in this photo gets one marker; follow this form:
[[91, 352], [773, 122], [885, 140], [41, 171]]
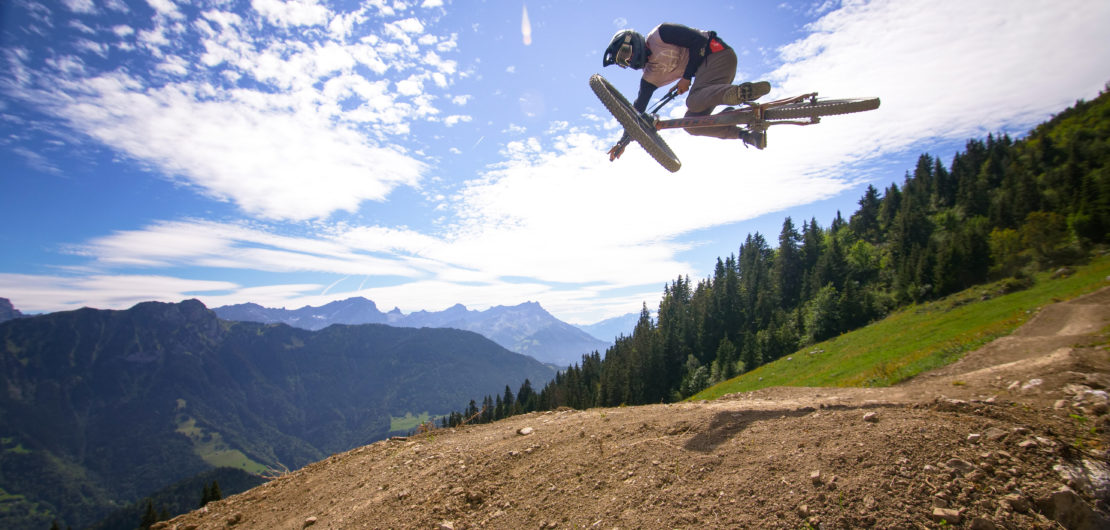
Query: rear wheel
[[821, 107], [634, 124]]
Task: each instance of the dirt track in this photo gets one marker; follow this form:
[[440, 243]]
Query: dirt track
[[1013, 435]]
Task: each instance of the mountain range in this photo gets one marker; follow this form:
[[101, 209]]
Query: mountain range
[[7, 311], [611, 328], [100, 408], [526, 328]]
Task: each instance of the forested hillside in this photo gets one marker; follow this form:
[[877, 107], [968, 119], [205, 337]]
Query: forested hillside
[[102, 408], [1001, 208]]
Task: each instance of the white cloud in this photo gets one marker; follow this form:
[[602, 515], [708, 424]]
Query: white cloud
[[154, 38], [34, 293], [409, 25], [317, 137], [82, 27], [166, 8], [80, 6], [952, 68], [455, 119], [412, 86], [368, 251], [272, 161], [292, 12]]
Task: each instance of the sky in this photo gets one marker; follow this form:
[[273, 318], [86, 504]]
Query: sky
[[423, 153]]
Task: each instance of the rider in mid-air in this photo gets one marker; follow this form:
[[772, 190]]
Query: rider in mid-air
[[673, 52]]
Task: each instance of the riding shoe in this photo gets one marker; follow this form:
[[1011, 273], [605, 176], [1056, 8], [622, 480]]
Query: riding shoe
[[755, 139], [738, 94]]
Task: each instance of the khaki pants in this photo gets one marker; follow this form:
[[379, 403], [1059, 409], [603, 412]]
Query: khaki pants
[[711, 80]]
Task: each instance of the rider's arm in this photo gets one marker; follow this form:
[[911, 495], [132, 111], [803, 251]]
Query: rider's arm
[[688, 38], [644, 96], [641, 103]]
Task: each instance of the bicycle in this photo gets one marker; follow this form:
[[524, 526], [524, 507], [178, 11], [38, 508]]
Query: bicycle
[[806, 109]]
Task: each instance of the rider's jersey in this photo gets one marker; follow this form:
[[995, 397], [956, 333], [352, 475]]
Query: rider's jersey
[[669, 61], [676, 52]]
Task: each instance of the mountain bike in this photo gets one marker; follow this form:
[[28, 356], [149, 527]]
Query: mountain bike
[[806, 109]]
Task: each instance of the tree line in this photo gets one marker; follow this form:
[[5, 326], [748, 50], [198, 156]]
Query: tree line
[[1002, 208]]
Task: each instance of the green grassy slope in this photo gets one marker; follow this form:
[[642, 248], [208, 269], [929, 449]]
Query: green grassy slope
[[918, 338]]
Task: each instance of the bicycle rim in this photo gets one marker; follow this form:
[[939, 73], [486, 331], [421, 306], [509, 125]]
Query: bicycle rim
[[639, 129], [822, 107]]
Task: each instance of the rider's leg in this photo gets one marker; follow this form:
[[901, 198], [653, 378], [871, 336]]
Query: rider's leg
[[712, 81]]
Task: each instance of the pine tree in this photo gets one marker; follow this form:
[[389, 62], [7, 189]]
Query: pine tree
[[726, 359], [508, 402], [812, 248], [526, 397], [865, 222], [788, 269], [149, 516]]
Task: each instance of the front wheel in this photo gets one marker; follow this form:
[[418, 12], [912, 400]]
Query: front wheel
[[821, 107], [634, 124]]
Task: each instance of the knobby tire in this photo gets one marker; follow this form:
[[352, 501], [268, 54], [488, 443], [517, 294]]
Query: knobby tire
[[636, 126]]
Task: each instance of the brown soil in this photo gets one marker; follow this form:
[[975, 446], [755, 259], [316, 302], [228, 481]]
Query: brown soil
[[1013, 435]]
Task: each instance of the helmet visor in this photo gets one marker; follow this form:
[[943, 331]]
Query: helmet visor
[[624, 55]]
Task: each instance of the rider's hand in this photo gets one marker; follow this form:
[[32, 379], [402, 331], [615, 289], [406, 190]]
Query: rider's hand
[[682, 86], [616, 151]]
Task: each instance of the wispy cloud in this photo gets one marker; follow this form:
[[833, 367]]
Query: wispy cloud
[[951, 69], [284, 128], [54, 293], [363, 250]]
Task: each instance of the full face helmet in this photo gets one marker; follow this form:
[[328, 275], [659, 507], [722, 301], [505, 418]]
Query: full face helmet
[[627, 49]]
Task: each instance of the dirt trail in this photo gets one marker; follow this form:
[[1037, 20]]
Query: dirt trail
[[1014, 435]]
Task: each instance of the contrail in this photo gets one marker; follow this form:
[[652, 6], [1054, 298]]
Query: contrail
[[526, 27], [336, 282]]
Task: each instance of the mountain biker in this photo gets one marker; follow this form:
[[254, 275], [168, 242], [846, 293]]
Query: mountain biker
[[673, 52]]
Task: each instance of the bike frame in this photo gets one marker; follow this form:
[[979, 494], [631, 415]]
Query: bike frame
[[752, 115]]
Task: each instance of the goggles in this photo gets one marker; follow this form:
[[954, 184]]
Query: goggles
[[624, 55]]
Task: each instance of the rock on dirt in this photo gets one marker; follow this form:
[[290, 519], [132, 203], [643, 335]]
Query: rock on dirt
[[1070, 510], [763, 459]]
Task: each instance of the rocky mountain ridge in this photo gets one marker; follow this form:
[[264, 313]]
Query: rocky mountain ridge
[[526, 328], [7, 311]]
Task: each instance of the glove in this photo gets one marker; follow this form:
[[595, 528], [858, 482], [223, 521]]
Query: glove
[[616, 151]]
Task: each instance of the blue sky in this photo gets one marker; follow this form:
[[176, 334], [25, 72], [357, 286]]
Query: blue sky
[[420, 154]]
